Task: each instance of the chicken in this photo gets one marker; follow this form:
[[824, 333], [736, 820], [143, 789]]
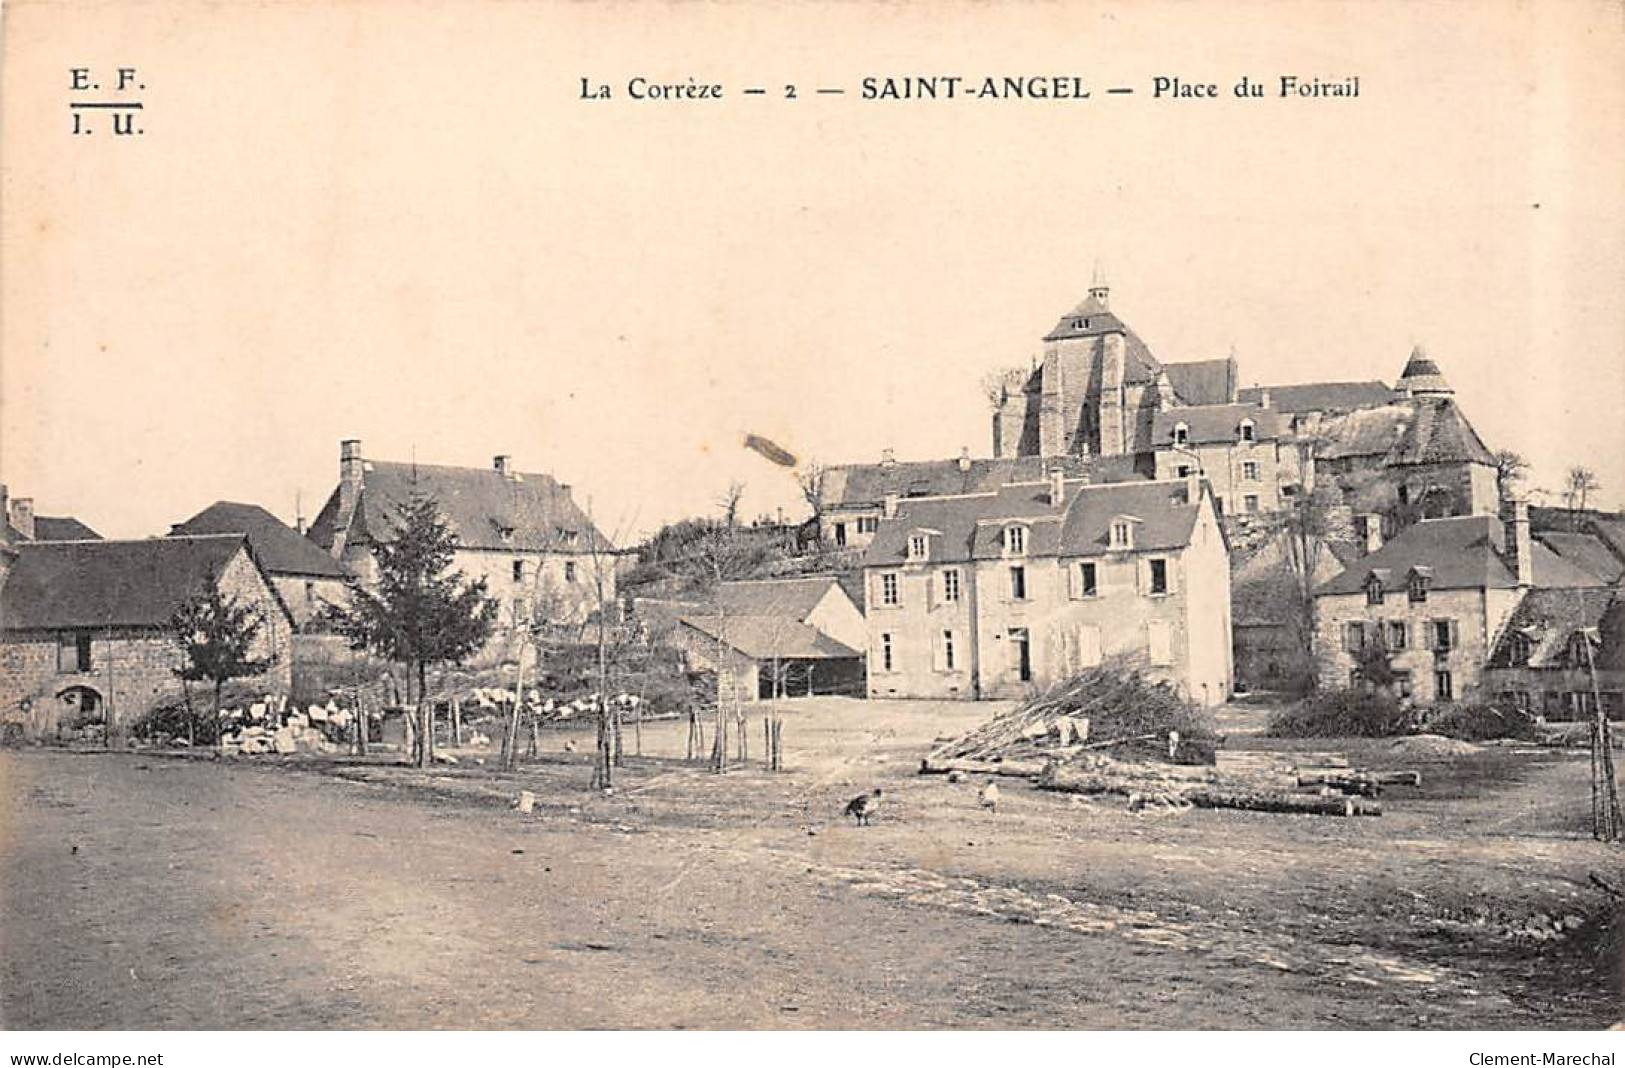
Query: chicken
[[989, 797], [864, 806]]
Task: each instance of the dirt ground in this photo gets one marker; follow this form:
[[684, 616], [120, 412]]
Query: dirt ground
[[142, 891]]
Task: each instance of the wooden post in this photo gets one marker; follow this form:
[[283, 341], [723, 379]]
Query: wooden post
[[456, 720]]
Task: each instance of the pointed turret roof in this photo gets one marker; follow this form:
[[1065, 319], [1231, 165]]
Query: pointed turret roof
[[1422, 377]]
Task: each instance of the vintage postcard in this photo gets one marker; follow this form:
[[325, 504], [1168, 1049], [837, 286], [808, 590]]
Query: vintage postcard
[[816, 516]]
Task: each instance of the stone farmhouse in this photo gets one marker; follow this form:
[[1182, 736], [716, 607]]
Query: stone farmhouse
[[995, 593], [1438, 598], [521, 531], [311, 583], [1544, 659], [82, 625]]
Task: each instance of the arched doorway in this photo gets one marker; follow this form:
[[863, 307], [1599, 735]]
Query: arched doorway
[[80, 708]]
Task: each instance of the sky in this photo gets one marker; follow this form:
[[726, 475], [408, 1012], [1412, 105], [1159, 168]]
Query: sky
[[399, 222]]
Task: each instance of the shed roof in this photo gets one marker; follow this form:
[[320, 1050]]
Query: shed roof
[[1586, 551], [1548, 619], [771, 637]]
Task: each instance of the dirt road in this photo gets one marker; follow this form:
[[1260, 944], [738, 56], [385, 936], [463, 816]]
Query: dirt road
[[141, 892]]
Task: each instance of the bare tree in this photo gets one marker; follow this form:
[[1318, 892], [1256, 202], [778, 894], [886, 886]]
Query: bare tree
[[810, 477], [1001, 383], [1581, 483], [729, 503], [1511, 469]]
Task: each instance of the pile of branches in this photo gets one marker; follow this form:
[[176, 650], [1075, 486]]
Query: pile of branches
[[1105, 709]]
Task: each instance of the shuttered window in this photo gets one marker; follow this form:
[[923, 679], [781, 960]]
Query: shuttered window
[[1088, 645], [1159, 643]]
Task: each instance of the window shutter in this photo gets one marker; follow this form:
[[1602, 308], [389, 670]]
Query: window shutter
[[1088, 645], [1158, 642], [1455, 636], [1427, 634], [939, 654], [1074, 578], [1168, 570]]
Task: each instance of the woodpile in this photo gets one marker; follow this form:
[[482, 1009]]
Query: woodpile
[[1145, 784], [1102, 709]]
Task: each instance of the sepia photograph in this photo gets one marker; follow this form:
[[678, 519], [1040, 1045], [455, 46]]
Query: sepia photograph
[[818, 517]]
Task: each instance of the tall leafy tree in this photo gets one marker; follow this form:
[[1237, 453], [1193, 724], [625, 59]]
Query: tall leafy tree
[[421, 611], [216, 636]]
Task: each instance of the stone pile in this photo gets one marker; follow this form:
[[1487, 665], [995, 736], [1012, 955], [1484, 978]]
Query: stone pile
[[268, 727]]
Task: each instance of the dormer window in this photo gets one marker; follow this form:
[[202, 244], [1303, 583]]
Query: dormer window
[[1418, 585], [1246, 430], [919, 547], [1182, 434], [1015, 540], [1373, 590], [1121, 535]]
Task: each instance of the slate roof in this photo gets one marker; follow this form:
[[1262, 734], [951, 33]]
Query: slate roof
[[1422, 375], [76, 584], [1587, 552], [280, 549], [1438, 432], [971, 527], [867, 485], [1549, 618], [791, 598], [1092, 318], [1463, 552], [770, 637], [1320, 396], [479, 504], [62, 528], [1217, 423], [1611, 532], [1203, 381]]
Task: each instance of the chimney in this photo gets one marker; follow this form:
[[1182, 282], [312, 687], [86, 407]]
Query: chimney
[[350, 477], [891, 505], [22, 516], [1518, 545], [1264, 399], [1057, 487], [500, 463], [1371, 523], [964, 458], [887, 458], [1193, 485]]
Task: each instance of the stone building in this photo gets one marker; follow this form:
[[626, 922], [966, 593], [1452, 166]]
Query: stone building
[[854, 498], [82, 625], [1560, 652], [993, 594], [789, 637], [1436, 597], [19, 523], [1100, 391], [522, 532], [311, 582], [1243, 450]]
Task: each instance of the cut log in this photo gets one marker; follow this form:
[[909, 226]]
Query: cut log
[[1289, 803], [1016, 769]]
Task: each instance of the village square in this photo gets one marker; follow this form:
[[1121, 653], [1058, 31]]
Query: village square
[[1178, 702]]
